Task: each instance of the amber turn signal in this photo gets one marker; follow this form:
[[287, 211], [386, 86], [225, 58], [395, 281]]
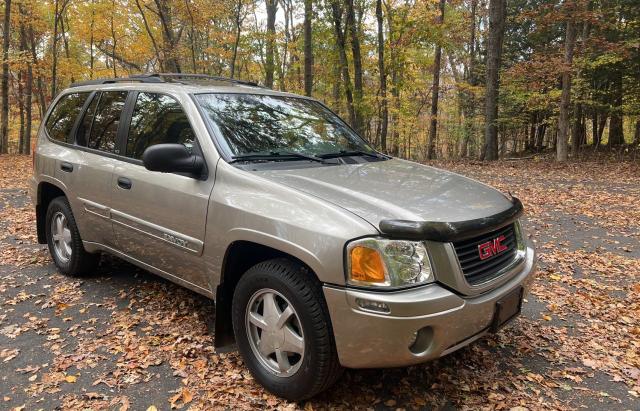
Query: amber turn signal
[[367, 265]]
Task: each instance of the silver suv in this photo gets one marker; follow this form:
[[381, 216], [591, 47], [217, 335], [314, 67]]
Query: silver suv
[[320, 252]]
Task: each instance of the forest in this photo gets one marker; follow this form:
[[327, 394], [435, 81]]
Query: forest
[[419, 79]]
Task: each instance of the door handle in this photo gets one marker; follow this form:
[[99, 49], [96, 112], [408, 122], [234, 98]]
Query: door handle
[[124, 182], [66, 167]]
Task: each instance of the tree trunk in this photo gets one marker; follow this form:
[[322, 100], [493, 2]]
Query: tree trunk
[[4, 88], [469, 103], [565, 98], [616, 131], [531, 141], [497, 9], [169, 37], [269, 67], [34, 56], [239, 18], [357, 66], [435, 91], [192, 38], [542, 128], [636, 136], [91, 44], [576, 132], [601, 126], [54, 49], [21, 111], [384, 110], [114, 39], [344, 65], [308, 48], [28, 89], [149, 33]]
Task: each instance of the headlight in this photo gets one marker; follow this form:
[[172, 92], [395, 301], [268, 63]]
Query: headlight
[[392, 263]]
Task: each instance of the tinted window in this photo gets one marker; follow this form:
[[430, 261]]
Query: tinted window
[[82, 135], [157, 119], [63, 116], [104, 131], [252, 123]]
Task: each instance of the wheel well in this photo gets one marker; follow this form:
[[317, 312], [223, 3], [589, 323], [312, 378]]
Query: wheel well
[[46, 193], [240, 256]]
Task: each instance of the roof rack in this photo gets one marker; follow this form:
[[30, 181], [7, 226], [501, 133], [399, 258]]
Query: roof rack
[[162, 78], [187, 76], [116, 80]]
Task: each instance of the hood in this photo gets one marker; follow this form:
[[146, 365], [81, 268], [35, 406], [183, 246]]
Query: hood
[[396, 189]]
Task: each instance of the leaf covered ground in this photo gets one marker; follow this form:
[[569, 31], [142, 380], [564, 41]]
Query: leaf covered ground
[[124, 339]]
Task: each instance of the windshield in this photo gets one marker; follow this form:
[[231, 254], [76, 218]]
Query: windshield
[[259, 124]]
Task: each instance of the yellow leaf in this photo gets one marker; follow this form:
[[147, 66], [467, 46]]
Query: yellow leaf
[[546, 318], [70, 378], [152, 408], [555, 277], [186, 396]]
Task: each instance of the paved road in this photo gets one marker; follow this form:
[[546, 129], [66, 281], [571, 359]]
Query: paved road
[[125, 339]]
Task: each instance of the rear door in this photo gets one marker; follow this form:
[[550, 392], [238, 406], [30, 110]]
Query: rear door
[[160, 218], [97, 135], [63, 157]]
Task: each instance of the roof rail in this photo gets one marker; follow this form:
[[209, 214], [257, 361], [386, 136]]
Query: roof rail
[[117, 80], [161, 78], [178, 76]]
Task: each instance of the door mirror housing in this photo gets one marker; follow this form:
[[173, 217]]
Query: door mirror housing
[[172, 158]]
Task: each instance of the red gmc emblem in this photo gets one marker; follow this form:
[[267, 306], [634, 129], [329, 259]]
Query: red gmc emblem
[[491, 248]]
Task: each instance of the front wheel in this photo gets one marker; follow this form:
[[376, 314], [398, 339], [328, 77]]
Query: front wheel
[[283, 331]]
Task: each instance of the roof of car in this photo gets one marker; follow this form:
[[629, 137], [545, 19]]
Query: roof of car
[[178, 82]]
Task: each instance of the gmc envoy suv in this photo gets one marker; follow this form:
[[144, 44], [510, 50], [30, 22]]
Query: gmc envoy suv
[[320, 252]]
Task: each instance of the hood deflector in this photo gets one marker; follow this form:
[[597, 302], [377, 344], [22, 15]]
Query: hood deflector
[[449, 232]]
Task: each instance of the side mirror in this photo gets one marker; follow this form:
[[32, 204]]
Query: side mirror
[[172, 158]]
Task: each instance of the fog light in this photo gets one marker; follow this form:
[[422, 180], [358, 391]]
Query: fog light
[[373, 305], [424, 339]]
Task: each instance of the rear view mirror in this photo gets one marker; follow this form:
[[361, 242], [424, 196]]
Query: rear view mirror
[[172, 158]]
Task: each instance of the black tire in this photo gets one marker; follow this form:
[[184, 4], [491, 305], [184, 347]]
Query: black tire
[[80, 262], [319, 368]]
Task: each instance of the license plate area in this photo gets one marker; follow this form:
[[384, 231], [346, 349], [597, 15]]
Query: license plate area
[[507, 308]]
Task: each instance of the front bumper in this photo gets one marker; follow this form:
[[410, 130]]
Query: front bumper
[[444, 320]]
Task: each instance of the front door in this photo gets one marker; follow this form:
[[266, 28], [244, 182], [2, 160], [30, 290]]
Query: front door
[[159, 218]]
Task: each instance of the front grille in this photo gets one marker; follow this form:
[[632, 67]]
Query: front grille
[[477, 270]]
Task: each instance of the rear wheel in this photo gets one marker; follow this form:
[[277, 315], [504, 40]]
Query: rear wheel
[[63, 239], [283, 330]]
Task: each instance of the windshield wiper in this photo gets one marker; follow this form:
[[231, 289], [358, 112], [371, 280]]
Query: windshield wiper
[[276, 155], [350, 153]]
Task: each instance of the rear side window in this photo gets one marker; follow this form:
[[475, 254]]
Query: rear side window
[[63, 116], [157, 119], [104, 130]]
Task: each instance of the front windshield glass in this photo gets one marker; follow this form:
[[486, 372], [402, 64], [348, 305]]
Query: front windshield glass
[[260, 124]]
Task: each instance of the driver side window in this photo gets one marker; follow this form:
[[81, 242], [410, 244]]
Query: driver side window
[[157, 119]]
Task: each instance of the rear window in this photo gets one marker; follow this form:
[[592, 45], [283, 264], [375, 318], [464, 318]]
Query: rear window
[[63, 116]]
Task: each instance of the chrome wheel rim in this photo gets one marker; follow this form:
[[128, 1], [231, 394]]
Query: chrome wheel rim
[[275, 333], [61, 236]]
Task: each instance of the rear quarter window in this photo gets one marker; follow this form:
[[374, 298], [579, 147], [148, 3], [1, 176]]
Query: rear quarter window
[[63, 116]]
